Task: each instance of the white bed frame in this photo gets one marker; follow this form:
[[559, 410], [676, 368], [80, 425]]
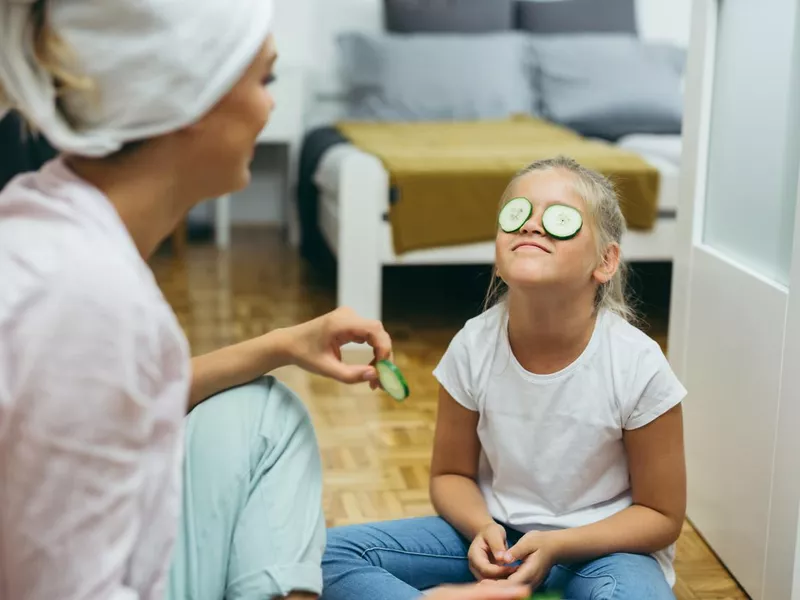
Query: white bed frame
[[351, 219], [352, 223]]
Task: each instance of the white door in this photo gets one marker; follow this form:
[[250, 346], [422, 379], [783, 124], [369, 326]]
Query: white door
[[735, 321]]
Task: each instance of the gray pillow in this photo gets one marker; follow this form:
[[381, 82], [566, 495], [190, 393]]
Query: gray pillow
[[453, 16], [671, 54], [573, 16], [607, 85], [436, 77]]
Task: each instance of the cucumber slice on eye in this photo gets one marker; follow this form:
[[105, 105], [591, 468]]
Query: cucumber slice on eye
[[561, 221], [392, 380], [514, 214]]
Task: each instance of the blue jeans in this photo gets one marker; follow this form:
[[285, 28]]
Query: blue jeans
[[399, 559]]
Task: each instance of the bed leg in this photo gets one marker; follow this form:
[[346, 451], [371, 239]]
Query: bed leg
[[363, 197]]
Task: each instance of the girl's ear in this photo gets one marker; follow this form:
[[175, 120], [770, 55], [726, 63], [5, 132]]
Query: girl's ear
[[607, 268]]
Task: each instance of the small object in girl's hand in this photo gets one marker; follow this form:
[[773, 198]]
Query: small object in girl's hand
[[545, 596], [392, 380]]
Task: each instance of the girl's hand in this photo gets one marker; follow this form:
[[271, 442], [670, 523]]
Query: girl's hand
[[487, 554], [479, 592], [537, 551], [316, 345]]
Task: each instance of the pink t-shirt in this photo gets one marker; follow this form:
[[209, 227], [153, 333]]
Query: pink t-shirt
[[94, 381]]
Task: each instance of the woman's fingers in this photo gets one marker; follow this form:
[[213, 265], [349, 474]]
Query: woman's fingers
[[349, 327]]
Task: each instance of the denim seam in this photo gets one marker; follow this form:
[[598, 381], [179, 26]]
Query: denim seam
[[407, 552], [582, 576]]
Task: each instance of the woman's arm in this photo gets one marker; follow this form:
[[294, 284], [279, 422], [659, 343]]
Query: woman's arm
[[658, 481], [313, 346], [237, 364]]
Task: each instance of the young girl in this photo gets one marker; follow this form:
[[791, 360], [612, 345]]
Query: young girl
[[558, 456]]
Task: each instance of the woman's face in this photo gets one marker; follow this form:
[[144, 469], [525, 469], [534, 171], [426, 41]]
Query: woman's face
[[221, 145]]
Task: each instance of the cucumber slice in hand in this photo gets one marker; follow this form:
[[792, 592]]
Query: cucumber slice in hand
[[392, 380], [514, 214], [561, 221]]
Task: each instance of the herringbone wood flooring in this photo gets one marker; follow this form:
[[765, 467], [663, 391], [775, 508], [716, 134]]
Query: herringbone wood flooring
[[375, 452]]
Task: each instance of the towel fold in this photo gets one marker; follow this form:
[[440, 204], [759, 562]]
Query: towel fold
[[155, 66]]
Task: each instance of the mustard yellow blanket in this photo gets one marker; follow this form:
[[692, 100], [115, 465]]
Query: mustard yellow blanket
[[448, 177]]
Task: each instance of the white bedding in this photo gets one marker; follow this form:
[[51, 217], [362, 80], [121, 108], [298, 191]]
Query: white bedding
[[661, 151]]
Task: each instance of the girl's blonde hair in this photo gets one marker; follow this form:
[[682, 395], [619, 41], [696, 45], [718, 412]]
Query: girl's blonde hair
[[607, 222], [53, 55]]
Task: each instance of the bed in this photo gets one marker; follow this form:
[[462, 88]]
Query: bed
[[622, 97]]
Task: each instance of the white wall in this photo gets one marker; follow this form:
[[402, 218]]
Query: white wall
[[666, 20], [305, 32]]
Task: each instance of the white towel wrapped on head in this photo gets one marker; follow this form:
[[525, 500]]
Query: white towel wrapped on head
[[155, 66]]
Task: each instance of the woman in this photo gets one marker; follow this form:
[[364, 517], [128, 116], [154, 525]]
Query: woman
[[154, 106]]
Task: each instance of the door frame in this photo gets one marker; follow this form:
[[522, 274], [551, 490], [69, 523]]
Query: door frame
[[695, 143], [782, 559]]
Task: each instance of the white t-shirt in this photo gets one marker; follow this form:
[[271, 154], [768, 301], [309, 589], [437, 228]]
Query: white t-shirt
[[552, 451], [94, 381]]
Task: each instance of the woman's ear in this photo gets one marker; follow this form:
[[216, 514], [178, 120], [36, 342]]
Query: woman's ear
[[607, 268]]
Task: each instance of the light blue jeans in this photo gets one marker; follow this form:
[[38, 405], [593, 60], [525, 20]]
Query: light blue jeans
[[252, 526], [397, 560]]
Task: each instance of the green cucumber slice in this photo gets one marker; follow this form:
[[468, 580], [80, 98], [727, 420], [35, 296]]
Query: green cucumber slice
[[561, 221], [392, 380], [514, 214]]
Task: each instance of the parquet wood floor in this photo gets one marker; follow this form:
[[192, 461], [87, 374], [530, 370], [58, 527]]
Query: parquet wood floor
[[375, 452]]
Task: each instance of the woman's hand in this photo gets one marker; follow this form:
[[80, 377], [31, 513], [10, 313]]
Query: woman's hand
[[538, 553], [316, 345], [488, 552], [479, 591]]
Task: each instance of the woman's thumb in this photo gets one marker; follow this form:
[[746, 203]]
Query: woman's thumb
[[348, 373]]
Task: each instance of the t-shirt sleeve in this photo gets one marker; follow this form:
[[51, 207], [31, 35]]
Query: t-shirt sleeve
[[454, 373], [655, 389]]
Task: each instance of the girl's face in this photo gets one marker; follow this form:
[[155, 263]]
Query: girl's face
[[220, 147], [530, 257]]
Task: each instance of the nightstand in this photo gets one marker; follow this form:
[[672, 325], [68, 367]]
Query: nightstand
[[285, 129]]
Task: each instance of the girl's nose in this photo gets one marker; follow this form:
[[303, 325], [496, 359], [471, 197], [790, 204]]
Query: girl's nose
[[533, 224]]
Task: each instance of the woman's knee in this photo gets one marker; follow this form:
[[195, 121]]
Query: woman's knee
[[246, 422]]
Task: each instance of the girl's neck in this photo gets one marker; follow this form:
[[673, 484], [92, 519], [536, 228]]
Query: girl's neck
[[549, 332]]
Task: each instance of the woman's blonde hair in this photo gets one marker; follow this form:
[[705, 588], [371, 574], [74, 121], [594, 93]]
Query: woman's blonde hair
[[53, 55], [607, 222]]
